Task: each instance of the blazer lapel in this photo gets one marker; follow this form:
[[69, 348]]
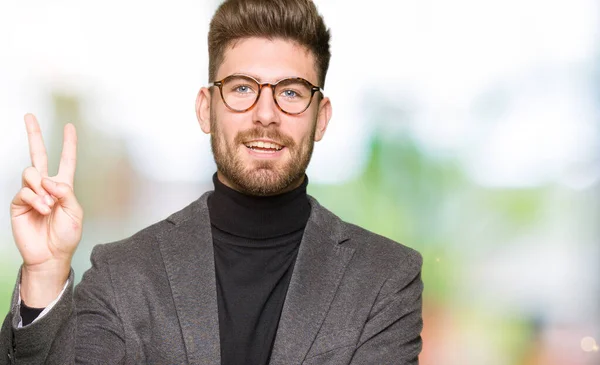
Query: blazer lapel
[[187, 252], [318, 271]]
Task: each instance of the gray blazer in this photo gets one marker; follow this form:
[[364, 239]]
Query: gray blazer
[[354, 298]]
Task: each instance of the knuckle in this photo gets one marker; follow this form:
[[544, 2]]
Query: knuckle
[[24, 192], [65, 189], [25, 195], [28, 171], [31, 174]]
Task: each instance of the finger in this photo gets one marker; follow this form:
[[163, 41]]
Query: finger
[[32, 179], [68, 158], [64, 193], [37, 150], [28, 198]]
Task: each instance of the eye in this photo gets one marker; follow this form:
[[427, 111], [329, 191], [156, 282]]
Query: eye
[[242, 89], [291, 94], [239, 85]]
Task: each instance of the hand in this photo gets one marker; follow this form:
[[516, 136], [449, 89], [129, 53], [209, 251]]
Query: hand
[[46, 218]]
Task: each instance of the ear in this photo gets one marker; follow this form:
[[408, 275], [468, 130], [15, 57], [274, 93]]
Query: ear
[[203, 109], [323, 117]]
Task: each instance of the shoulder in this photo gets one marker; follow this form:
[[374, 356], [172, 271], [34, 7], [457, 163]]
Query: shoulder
[[372, 252], [381, 253], [144, 243], [141, 244], [377, 245]]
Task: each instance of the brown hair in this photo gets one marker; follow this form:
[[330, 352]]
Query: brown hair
[[295, 20]]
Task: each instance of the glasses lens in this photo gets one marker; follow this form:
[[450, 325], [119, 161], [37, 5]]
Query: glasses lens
[[239, 92], [293, 95]]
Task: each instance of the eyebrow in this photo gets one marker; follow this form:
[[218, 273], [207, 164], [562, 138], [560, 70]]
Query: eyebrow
[[259, 79], [248, 74]]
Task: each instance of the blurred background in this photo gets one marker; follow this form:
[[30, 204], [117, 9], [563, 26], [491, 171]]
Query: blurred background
[[468, 130]]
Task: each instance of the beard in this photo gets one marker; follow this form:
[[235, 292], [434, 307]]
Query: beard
[[260, 178]]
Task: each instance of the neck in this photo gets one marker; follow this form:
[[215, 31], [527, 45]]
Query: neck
[[258, 216]]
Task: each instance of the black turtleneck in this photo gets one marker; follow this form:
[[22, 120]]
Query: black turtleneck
[[256, 242]]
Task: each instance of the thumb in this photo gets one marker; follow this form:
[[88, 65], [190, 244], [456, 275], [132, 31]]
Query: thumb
[[63, 192]]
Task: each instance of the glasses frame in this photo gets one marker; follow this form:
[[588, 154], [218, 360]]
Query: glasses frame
[[313, 90]]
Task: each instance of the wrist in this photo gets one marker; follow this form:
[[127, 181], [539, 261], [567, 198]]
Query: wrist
[[41, 284]]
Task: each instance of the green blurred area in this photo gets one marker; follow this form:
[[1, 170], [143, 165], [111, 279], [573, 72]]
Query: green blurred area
[[430, 204]]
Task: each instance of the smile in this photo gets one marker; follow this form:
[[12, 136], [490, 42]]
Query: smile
[[263, 146]]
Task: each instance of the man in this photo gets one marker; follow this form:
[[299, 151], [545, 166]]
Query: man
[[256, 272]]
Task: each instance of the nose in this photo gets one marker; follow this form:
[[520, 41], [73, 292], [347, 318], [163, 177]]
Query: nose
[[265, 111]]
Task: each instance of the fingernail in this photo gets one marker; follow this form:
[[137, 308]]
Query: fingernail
[[48, 200], [45, 209]]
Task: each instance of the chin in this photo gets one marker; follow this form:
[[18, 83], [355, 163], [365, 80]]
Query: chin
[[264, 181]]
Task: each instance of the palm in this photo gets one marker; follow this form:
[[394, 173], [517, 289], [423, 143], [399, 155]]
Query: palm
[[41, 237]]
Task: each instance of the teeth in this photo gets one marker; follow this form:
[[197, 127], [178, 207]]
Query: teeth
[[261, 144]]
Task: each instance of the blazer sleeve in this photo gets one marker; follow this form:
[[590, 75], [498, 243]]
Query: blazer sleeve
[[82, 328], [392, 334]]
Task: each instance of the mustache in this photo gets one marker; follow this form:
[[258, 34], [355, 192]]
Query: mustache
[[262, 133]]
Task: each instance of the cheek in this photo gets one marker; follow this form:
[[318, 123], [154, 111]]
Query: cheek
[[307, 129], [302, 137], [226, 125]]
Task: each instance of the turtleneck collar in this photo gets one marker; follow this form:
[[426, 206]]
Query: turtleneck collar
[[258, 217]]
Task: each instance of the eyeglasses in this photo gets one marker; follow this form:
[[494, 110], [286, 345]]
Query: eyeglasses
[[292, 95]]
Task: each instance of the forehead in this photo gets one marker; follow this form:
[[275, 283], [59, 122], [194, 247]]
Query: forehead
[[268, 60]]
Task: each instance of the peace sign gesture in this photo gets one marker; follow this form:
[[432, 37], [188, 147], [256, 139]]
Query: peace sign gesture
[[46, 218]]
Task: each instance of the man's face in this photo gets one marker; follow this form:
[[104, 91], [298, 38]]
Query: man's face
[[244, 163]]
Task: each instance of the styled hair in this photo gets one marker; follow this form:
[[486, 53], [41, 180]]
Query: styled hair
[[295, 20]]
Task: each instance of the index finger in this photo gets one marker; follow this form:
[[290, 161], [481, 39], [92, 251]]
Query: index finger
[[37, 150]]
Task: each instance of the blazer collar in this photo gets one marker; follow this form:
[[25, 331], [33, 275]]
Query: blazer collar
[[319, 268], [187, 251]]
